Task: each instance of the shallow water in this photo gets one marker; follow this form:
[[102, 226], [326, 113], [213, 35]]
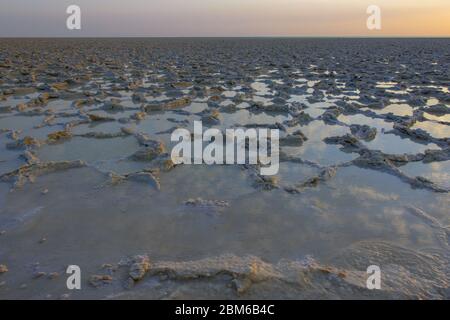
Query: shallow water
[[397, 109], [436, 171], [435, 129]]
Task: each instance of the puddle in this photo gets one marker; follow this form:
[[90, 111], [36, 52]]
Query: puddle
[[89, 150], [393, 144], [244, 117], [20, 122], [445, 118], [436, 130], [320, 152], [438, 172], [360, 119], [294, 173], [396, 109]]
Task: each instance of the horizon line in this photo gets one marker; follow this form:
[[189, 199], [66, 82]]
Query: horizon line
[[235, 37]]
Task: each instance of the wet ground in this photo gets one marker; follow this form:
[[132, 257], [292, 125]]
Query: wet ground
[[86, 177]]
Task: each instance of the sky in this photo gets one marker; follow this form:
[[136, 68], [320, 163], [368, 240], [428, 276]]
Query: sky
[[223, 18]]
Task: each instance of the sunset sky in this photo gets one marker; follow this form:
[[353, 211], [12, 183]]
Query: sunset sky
[[224, 18]]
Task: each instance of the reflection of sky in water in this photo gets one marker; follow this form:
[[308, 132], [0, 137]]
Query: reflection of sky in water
[[437, 130], [396, 109], [445, 118], [9, 159], [360, 119], [20, 122], [317, 130], [243, 117], [317, 109], [265, 101], [105, 127], [293, 173], [18, 99], [320, 152], [89, 149], [386, 85], [438, 172], [314, 149], [261, 88], [390, 143], [196, 107]]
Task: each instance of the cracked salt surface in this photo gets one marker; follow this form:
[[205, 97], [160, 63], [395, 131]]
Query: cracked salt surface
[[363, 175]]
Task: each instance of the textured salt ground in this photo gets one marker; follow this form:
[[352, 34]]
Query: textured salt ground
[[310, 232]]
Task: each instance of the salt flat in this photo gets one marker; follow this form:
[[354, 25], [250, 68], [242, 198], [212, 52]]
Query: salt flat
[[87, 178]]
